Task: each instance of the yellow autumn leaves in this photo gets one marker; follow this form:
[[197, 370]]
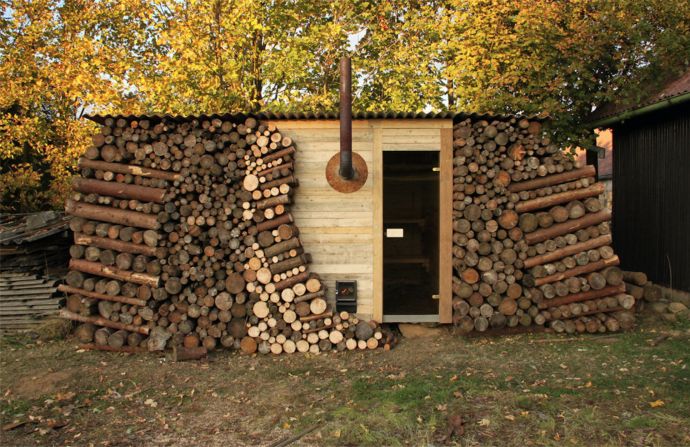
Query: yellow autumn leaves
[[61, 59]]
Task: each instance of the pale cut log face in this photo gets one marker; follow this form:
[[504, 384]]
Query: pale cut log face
[[189, 221]]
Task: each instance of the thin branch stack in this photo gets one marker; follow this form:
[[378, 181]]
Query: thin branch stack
[[184, 237]]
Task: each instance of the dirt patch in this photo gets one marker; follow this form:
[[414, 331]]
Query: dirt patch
[[420, 330], [35, 387]]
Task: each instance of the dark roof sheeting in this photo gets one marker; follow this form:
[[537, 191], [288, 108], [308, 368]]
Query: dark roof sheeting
[[23, 228], [455, 116], [674, 88]]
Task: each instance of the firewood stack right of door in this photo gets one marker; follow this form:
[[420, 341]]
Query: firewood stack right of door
[[531, 238]]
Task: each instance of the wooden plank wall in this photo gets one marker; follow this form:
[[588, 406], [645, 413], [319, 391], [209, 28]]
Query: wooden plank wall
[[412, 135], [335, 228], [343, 232]]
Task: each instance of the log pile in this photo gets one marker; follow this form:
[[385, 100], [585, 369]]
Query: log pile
[[531, 239], [183, 236], [663, 302]]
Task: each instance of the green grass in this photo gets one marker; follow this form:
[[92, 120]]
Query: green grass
[[522, 390], [641, 422]]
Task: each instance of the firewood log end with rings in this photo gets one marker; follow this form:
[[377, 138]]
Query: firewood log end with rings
[[260, 309], [318, 306], [250, 182]]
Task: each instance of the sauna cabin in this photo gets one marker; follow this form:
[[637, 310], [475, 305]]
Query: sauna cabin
[[266, 228]]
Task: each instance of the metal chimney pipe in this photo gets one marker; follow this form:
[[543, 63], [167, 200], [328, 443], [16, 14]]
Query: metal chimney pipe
[[346, 170]]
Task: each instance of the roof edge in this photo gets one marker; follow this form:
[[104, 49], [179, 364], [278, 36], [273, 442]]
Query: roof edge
[[100, 119], [659, 105]]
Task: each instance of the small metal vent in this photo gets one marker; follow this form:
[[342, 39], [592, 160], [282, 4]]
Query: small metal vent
[[346, 296]]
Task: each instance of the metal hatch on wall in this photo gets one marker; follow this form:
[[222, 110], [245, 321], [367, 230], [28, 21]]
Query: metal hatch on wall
[[411, 236]]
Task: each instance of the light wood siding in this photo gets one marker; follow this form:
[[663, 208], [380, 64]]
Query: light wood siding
[[445, 253], [415, 139], [336, 228]]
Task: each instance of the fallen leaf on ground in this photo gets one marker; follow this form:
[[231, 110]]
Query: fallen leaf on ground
[[69, 395], [484, 422], [55, 424], [657, 403]]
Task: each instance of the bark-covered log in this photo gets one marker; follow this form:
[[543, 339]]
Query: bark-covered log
[[95, 268], [568, 227], [583, 296], [636, 278], [557, 199], [101, 296], [100, 321], [555, 179], [120, 190], [588, 268], [112, 215], [568, 251], [117, 245]]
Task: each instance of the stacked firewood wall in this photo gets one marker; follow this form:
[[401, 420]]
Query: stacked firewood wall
[[531, 241], [184, 237]]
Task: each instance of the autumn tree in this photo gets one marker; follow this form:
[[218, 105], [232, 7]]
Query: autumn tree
[[562, 57], [399, 56], [58, 59], [559, 58], [219, 56]]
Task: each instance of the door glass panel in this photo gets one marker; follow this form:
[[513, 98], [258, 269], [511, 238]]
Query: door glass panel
[[410, 225]]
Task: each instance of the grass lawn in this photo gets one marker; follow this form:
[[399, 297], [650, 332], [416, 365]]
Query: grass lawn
[[524, 390]]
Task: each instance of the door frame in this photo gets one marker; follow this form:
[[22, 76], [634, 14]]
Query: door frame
[[444, 145]]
